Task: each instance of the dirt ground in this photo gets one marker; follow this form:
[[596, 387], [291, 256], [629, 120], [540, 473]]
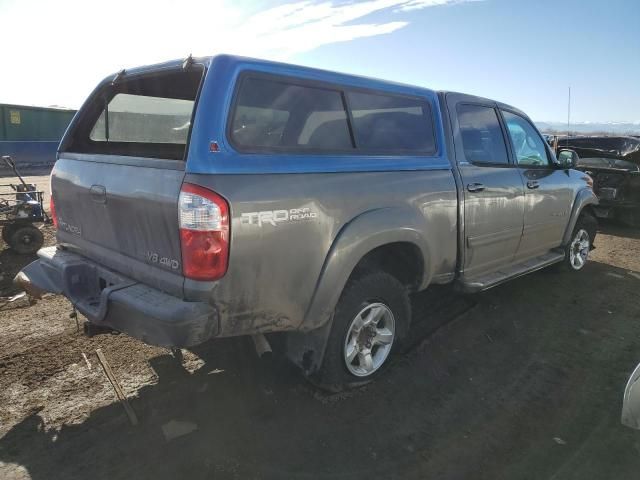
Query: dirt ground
[[524, 381]]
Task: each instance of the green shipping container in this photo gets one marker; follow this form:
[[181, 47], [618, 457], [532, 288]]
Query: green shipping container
[[22, 123]]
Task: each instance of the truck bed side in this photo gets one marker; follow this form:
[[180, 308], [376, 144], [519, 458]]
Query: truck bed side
[[279, 259]]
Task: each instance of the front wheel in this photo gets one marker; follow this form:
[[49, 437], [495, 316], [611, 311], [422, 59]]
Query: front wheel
[[369, 322], [581, 243]]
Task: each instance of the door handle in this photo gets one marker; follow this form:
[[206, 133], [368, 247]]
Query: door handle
[[475, 187], [532, 184], [98, 193]]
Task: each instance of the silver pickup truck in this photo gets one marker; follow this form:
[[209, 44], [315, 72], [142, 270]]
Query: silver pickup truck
[[227, 196]]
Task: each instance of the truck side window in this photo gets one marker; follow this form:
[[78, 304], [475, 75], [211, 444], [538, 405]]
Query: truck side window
[[527, 143], [392, 123], [481, 134], [280, 115]]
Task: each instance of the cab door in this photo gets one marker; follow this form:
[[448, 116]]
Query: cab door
[[548, 190], [493, 212]]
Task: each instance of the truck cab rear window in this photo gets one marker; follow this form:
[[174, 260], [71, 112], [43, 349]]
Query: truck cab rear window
[[141, 116]]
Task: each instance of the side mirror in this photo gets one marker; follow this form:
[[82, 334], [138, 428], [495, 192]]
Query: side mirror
[[568, 158]]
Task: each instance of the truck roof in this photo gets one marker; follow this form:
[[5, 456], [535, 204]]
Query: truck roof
[[269, 66]]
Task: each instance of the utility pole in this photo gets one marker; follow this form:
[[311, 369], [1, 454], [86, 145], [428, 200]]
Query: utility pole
[[568, 116]]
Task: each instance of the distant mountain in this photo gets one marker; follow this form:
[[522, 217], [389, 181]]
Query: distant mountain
[[586, 128]]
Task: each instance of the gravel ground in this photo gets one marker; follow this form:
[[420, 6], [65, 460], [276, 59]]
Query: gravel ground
[[523, 381]]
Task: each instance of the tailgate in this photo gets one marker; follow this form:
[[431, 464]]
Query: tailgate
[[122, 216], [117, 180]]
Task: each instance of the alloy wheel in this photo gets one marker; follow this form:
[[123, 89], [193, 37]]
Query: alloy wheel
[[369, 339]]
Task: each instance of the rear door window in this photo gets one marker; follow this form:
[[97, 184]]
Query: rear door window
[[275, 114], [390, 123], [482, 137]]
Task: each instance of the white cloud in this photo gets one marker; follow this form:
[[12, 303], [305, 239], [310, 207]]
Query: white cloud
[[303, 26], [55, 52], [420, 4]]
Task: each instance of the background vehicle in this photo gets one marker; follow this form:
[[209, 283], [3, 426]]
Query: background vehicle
[[614, 165], [617, 185], [20, 207], [227, 196]]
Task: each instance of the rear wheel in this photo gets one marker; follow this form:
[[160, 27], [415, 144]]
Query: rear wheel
[[26, 239], [369, 323], [580, 243]]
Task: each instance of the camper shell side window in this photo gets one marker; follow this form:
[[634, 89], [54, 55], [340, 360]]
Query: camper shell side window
[[272, 113]]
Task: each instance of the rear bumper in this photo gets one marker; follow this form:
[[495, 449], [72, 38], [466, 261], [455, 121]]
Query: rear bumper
[[109, 299]]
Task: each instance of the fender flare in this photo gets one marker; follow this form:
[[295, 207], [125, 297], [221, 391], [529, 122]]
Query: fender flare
[[372, 229], [584, 197], [369, 230]]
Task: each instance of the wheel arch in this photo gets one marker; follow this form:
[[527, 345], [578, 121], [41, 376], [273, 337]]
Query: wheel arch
[[403, 259], [585, 201], [369, 240]]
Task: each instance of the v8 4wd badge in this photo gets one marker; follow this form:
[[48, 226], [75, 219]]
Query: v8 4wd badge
[[167, 262]]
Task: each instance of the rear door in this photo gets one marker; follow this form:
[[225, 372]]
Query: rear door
[[120, 169], [548, 189], [493, 189]]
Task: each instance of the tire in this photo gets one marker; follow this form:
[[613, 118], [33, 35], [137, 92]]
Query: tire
[[376, 305], [26, 240], [7, 232], [576, 252]]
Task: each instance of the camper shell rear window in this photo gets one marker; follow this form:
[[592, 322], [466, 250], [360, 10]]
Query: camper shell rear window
[[147, 115], [286, 114]]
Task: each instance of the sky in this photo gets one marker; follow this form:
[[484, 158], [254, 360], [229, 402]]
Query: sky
[[522, 52]]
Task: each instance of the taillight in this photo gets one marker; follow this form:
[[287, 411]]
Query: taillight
[[52, 210], [204, 233]]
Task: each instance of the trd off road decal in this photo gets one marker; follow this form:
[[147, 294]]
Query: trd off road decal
[[273, 217]]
